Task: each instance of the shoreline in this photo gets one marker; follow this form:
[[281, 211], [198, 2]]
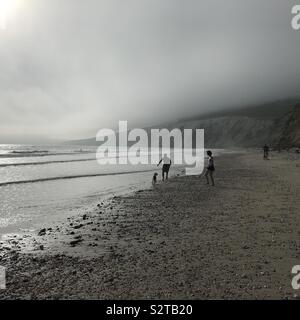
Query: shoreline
[[31, 198], [181, 240], [19, 228]]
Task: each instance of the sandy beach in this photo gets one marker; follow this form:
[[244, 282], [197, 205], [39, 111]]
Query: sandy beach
[[181, 240]]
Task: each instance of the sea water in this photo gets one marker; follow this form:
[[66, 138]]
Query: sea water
[[40, 185]]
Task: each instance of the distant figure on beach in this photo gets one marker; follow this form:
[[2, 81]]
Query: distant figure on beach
[[266, 152], [166, 166], [154, 179], [210, 168]]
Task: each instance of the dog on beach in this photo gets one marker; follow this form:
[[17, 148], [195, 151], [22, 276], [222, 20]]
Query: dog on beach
[[154, 179]]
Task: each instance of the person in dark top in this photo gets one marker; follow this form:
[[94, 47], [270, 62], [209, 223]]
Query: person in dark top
[[266, 152], [210, 168], [166, 166]]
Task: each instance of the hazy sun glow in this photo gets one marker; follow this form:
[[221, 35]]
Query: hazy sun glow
[[6, 9]]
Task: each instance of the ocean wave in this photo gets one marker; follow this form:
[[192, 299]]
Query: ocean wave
[[24, 154], [72, 177], [43, 162], [28, 151]]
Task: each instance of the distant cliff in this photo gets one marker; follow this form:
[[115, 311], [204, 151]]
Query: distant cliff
[[250, 127], [235, 131], [290, 137]]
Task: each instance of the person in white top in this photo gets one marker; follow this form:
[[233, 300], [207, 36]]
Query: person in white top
[[166, 166]]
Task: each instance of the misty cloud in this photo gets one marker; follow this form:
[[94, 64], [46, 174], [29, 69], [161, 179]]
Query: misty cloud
[[70, 67]]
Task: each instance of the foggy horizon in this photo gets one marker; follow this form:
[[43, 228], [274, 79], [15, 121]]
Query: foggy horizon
[[69, 68]]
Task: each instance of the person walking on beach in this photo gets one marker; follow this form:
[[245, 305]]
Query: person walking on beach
[[166, 166], [266, 152], [210, 168]]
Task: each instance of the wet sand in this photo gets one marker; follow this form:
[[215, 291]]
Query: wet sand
[[181, 240]]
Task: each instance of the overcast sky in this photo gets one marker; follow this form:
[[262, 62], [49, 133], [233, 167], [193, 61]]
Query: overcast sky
[[70, 67]]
